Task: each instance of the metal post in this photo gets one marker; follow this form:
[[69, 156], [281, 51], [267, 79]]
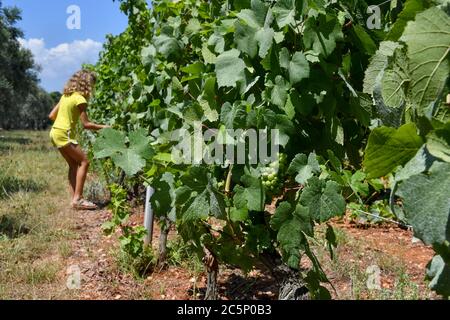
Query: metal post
[[148, 217]]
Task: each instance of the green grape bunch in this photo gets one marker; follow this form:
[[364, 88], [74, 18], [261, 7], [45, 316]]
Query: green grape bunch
[[272, 175]]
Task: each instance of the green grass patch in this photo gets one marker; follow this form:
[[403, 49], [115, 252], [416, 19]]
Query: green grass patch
[[139, 266], [180, 254], [11, 227], [10, 185], [41, 274]]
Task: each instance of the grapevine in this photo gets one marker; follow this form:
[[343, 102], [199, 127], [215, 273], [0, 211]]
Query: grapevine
[[339, 93]]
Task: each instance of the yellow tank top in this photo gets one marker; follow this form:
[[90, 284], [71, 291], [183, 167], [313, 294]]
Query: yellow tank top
[[69, 113]]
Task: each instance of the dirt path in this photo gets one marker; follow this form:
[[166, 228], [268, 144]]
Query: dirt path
[[92, 257], [399, 260], [390, 248], [95, 256]]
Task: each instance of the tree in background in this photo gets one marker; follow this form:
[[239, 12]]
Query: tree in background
[[23, 104], [56, 96], [34, 111]]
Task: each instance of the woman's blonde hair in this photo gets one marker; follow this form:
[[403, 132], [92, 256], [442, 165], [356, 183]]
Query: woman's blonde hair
[[82, 82]]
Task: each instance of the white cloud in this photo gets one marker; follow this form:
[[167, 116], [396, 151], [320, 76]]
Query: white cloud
[[60, 62]]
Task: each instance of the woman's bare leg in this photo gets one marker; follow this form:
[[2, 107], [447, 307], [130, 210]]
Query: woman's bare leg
[[75, 153], [72, 175], [73, 179]]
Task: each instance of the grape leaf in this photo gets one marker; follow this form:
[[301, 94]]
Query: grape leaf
[[421, 162], [378, 64], [167, 46], [280, 92], [238, 215], [229, 68], [148, 54], [365, 40], [245, 39], [284, 12], [298, 68], [426, 203], [131, 159], [291, 241], [252, 30], [208, 56], [388, 148], [304, 167], [216, 203], [289, 107], [411, 8], [198, 209], [395, 80], [108, 143], [210, 114], [438, 143], [292, 223], [439, 273], [323, 199], [252, 196], [358, 184], [218, 42], [162, 200], [428, 42], [282, 214], [321, 34], [205, 201], [193, 27], [264, 37], [233, 116], [139, 143]]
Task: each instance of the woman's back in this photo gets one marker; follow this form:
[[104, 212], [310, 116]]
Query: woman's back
[[69, 113]]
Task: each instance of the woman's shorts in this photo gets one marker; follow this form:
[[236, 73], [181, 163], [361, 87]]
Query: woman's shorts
[[62, 138]]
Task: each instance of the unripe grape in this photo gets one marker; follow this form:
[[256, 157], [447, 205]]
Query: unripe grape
[[271, 175], [274, 164]]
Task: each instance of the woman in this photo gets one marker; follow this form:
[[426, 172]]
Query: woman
[[66, 114]]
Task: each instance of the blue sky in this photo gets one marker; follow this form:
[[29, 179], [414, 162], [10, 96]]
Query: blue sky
[[57, 49]]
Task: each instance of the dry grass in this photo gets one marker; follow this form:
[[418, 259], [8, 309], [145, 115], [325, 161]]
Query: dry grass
[[33, 219]]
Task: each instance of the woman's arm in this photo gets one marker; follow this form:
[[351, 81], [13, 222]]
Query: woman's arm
[[87, 124], [52, 116]]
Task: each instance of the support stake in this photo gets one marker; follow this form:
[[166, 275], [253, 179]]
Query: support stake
[[148, 217]]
